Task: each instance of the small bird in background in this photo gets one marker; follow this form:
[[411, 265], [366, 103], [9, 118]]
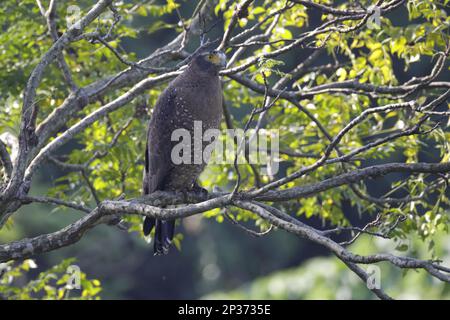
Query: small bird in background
[[195, 95]]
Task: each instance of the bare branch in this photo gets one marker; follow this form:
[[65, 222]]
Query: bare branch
[[240, 11], [5, 160]]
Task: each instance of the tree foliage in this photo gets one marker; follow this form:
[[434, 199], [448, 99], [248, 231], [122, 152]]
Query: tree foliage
[[347, 111], [52, 284]]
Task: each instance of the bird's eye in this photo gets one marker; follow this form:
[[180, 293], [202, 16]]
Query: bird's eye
[[210, 56]]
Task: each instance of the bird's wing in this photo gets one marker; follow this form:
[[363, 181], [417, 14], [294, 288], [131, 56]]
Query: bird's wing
[[157, 154]]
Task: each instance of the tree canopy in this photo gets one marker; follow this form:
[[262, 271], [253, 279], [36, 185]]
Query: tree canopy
[[356, 92]]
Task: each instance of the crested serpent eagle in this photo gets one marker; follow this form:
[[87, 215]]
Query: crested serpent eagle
[[194, 96]]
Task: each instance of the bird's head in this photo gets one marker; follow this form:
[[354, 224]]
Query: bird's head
[[211, 61]]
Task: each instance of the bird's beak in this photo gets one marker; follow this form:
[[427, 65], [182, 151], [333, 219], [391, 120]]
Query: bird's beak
[[220, 59]]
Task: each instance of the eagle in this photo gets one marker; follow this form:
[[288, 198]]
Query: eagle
[[193, 97]]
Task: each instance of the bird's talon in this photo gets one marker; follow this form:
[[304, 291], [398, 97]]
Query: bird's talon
[[185, 195], [202, 192]]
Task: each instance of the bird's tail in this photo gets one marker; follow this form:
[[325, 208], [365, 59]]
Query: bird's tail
[[164, 232]]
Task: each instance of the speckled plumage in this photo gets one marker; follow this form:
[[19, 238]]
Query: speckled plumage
[[195, 95]]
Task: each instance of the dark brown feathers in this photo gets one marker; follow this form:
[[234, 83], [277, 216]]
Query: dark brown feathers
[[195, 95]]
